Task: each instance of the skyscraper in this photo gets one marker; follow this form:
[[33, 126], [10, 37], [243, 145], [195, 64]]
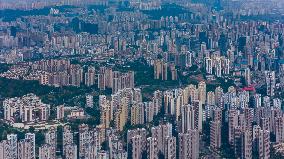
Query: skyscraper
[[202, 92], [31, 138], [90, 101], [51, 140], [137, 113], [270, 82], [215, 134], [189, 144], [137, 150], [152, 148], [187, 118], [170, 147], [90, 76], [261, 140], [67, 139]]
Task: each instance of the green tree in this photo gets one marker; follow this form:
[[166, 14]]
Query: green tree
[[39, 138]]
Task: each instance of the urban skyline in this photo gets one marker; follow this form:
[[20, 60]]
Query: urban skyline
[[141, 79]]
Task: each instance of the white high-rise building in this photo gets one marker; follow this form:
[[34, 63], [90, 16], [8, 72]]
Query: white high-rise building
[[51, 140], [90, 101], [218, 67], [70, 151], [248, 76], [67, 138], [46, 151], [12, 146], [31, 138], [202, 92], [208, 65], [187, 118], [270, 82], [25, 150]]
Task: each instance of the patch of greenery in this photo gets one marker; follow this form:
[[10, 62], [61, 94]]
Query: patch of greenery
[[17, 88], [4, 67], [206, 131], [52, 95], [98, 8], [12, 15]]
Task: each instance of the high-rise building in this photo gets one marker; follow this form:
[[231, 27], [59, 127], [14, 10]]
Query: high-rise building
[[202, 92], [25, 149], [279, 134], [248, 76], [218, 96], [189, 144], [166, 132], [265, 124], [233, 122], [152, 148], [170, 147], [103, 155], [226, 66], [242, 143], [90, 101], [31, 138], [257, 100], [203, 49], [60, 112], [270, 82], [137, 150], [4, 149], [215, 134], [261, 139], [67, 139], [76, 75], [121, 115], [108, 77], [211, 98], [90, 76], [102, 79], [84, 140], [105, 113], [45, 151], [51, 140], [87, 143], [137, 132], [149, 111], [29, 107], [70, 151], [173, 71], [122, 80], [187, 118], [218, 67], [217, 114], [160, 70], [157, 133], [137, 113], [208, 65], [157, 101], [161, 133], [198, 114]]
